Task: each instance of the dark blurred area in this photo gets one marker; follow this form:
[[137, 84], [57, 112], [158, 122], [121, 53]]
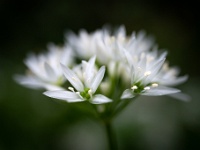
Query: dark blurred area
[[29, 120]]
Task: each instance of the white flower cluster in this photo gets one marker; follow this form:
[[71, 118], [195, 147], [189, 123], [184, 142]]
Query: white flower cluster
[[113, 66], [44, 70]]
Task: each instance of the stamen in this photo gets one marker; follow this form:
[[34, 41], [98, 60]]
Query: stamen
[[134, 87], [154, 85], [147, 88], [147, 73], [71, 89], [90, 92]]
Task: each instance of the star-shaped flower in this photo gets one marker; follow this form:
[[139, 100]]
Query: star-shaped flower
[[85, 80], [144, 71], [44, 70]]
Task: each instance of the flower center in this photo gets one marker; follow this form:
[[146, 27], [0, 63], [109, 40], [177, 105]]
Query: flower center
[[139, 88], [86, 94]]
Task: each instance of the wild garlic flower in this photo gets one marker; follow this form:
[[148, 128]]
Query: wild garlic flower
[[84, 44], [134, 66], [44, 70], [145, 70], [106, 45], [85, 80], [109, 49], [134, 59], [169, 76]]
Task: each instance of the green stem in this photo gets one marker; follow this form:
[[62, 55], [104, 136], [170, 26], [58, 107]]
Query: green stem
[[122, 105], [111, 136]]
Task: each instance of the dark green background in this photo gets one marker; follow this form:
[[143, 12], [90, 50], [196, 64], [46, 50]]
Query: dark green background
[[29, 120]]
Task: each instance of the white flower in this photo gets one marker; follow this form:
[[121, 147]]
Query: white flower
[[85, 81], [130, 58], [106, 45], [169, 76], [134, 67], [44, 69], [112, 46], [84, 44], [144, 70]]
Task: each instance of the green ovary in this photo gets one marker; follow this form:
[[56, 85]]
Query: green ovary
[[85, 94]]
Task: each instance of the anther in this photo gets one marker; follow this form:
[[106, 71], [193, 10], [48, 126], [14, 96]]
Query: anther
[[154, 85], [147, 88], [147, 73], [89, 91], [71, 89], [134, 87]]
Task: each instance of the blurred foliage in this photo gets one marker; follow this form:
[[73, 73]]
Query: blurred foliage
[[29, 120]]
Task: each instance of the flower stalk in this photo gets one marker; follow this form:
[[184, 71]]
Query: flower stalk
[[110, 135]]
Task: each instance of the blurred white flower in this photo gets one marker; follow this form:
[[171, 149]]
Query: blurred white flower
[[44, 70], [110, 48], [84, 44], [85, 79], [169, 76], [106, 45]]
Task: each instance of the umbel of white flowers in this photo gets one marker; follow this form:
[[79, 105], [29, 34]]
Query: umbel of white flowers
[[110, 63]]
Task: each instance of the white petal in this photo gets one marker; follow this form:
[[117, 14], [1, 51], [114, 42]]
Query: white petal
[[50, 72], [174, 82], [163, 55], [89, 70], [28, 81], [64, 95], [156, 67], [32, 62], [181, 96], [75, 100], [128, 58], [98, 78], [160, 90], [90, 65], [35, 64], [72, 78], [100, 99], [121, 31], [51, 87], [127, 94], [132, 72], [35, 83], [67, 56]]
